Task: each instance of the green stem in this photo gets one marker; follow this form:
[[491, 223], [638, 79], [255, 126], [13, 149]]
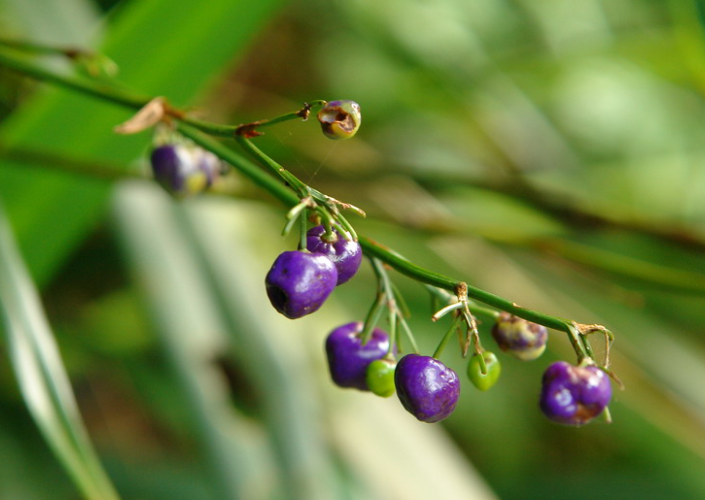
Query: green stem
[[393, 333], [587, 346], [372, 318], [578, 346], [304, 229], [236, 130], [188, 127], [100, 90], [38, 48], [447, 336], [302, 114], [423, 275], [403, 307], [288, 177], [409, 335], [243, 165]]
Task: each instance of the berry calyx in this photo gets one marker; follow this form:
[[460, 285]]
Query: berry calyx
[[574, 395], [380, 377], [299, 282], [484, 381], [348, 358], [340, 119], [183, 169], [427, 388], [345, 254], [520, 338]]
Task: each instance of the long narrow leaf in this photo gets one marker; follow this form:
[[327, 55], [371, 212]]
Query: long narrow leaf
[[192, 336], [40, 373]]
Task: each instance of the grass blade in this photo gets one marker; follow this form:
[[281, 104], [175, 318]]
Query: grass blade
[[41, 375]]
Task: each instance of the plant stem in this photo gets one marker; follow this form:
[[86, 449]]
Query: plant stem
[[188, 127], [288, 177], [100, 90], [423, 275], [447, 336], [243, 165], [38, 48]]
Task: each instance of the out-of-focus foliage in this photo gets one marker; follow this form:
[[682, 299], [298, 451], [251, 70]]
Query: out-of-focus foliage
[[549, 152]]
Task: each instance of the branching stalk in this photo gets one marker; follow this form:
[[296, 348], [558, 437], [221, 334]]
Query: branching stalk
[[193, 129]]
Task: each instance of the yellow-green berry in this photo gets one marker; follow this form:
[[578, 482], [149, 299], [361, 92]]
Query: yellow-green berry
[[486, 380], [380, 377], [340, 119]]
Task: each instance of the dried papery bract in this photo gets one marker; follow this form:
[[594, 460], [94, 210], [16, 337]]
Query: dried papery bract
[[154, 112]]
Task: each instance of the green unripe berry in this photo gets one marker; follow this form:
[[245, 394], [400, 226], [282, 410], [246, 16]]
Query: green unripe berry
[[340, 119], [380, 377], [484, 381]]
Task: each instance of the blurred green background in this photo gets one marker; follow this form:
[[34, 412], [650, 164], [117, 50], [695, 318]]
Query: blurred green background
[[549, 152]]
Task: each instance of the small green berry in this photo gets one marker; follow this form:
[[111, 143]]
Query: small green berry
[[380, 377], [484, 381], [340, 119]]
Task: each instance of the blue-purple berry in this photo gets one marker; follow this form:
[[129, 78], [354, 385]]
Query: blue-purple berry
[[574, 395], [348, 358], [520, 338], [340, 119], [299, 282], [345, 254], [184, 169], [427, 388]]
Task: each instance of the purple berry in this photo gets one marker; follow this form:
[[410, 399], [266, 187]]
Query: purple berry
[[299, 282], [427, 388], [184, 170], [574, 395], [348, 359], [520, 338], [345, 254]]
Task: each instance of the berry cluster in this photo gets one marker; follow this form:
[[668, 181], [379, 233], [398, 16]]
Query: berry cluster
[[360, 355], [300, 281], [429, 390]]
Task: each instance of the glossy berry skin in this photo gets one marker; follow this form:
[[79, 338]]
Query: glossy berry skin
[[340, 119], [345, 254], [183, 170], [520, 338], [348, 359], [380, 377], [484, 381], [574, 395], [299, 282], [427, 388]]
